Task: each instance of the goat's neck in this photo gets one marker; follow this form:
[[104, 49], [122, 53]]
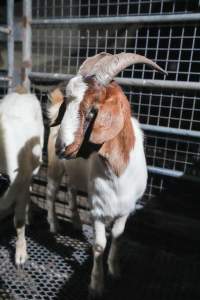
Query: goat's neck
[[116, 152]]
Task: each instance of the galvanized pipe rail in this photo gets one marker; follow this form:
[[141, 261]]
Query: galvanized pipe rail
[[5, 29], [194, 17], [148, 83]]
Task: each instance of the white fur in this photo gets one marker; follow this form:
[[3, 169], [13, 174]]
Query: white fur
[[21, 140], [75, 91], [52, 112], [111, 196]]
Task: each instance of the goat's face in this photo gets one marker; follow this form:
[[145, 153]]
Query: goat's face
[[93, 116], [96, 107]]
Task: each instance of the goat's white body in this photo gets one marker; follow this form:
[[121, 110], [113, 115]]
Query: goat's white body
[[113, 196], [21, 140]]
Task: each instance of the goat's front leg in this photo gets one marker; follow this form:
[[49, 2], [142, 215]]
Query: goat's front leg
[[19, 222], [53, 184], [97, 276], [117, 231], [72, 196]]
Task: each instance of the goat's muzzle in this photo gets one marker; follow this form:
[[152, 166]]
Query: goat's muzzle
[[84, 148], [4, 183]]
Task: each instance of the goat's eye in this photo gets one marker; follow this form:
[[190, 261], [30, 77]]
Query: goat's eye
[[91, 113]]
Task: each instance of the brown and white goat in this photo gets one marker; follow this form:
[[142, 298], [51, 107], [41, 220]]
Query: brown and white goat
[[96, 124]]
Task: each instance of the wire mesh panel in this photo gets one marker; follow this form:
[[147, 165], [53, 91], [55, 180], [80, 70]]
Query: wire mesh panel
[[174, 48], [61, 47], [97, 8], [172, 109]]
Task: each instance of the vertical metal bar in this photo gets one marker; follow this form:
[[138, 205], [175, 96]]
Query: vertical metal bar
[[78, 50], [61, 50], [10, 41], [70, 51], [26, 44], [97, 42]]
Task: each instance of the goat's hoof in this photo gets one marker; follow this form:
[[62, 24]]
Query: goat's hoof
[[20, 257], [114, 270], [95, 293]]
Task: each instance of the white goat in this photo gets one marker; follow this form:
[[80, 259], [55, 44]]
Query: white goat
[[96, 124], [21, 140]]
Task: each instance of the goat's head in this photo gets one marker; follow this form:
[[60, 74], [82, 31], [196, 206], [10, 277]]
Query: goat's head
[[95, 107]]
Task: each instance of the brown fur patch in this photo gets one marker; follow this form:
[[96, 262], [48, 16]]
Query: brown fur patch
[[56, 96], [116, 151], [20, 89]]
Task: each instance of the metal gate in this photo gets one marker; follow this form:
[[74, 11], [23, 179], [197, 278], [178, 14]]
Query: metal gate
[[65, 32]]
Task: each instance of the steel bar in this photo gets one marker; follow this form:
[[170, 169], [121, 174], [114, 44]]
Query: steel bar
[[26, 45], [166, 84], [163, 84], [5, 29], [170, 130], [193, 17], [172, 173], [10, 42], [49, 76], [5, 78], [166, 172]]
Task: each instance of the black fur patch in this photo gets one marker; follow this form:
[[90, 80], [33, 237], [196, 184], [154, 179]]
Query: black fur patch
[[87, 148], [4, 183]]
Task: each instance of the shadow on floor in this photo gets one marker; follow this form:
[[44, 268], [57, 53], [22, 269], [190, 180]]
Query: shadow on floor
[[159, 254]]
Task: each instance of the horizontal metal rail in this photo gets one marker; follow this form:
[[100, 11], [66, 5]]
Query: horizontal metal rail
[[5, 78], [172, 173], [164, 84], [194, 17], [49, 76], [5, 29], [169, 130], [165, 172]]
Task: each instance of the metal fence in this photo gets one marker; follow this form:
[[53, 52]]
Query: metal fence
[[65, 32]]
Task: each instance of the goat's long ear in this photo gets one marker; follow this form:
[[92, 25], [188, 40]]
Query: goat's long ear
[[108, 123], [56, 96], [56, 99]]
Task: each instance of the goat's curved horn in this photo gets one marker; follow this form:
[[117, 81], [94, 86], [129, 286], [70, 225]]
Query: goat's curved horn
[[89, 63], [109, 66]]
